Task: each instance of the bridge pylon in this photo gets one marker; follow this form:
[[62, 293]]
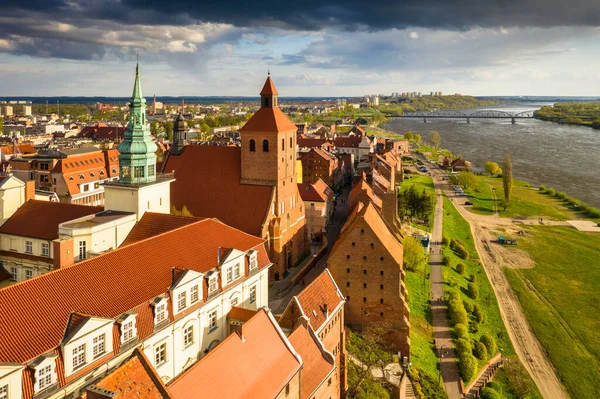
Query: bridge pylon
[[513, 120], [424, 120]]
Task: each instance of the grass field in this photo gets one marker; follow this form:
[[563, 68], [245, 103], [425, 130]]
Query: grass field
[[560, 299], [421, 182], [455, 226], [525, 201]]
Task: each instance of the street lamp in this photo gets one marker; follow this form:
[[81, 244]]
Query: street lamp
[[362, 314]]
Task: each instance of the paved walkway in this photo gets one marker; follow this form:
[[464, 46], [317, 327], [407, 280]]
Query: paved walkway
[[391, 372], [277, 301], [441, 327]]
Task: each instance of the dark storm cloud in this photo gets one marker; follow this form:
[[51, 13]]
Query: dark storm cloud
[[316, 14]]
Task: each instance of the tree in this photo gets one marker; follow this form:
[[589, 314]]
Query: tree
[[415, 257], [467, 366], [519, 380], [155, 128], [492, 168], [507, 180], [168, 127], [480, 351], [435, 139], [472, 291], [489, 342], [408, 136], [417, 138], [466, 179]]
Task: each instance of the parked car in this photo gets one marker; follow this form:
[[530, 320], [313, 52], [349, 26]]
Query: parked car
[[468, 203]]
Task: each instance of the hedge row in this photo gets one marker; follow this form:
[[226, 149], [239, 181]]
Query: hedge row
[[582, 207]]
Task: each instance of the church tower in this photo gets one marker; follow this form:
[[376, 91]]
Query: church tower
[[139, 188], [180, 131], [137, 157], [268, 148]]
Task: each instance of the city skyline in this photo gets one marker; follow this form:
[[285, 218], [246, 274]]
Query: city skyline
[[70, 48]]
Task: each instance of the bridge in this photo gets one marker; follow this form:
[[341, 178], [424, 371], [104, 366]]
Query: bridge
[[455, 114]]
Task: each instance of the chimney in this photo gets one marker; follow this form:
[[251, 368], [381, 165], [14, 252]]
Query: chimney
[[326, 311], [63, 252], [29, 190]]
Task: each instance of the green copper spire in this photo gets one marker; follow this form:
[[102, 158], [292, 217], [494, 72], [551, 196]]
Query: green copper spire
[[137, 151]]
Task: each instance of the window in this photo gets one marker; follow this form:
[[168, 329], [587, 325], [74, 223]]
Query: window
[[29, 247], [81, 177], [212, 321], [348, 298], [44, 377], [28, 274], [234, 302], [78, 356], [347, 283], [151, 170], [265, 145], [236, 271], [362, 231], [13, 274], [253, 262], [4, 392], [381, 301], [365, 299], [347, 256], [44, 178], [127, 331], [364, 271], [364, 285], [82, 250], [212, 285], [365, 257], [86, 187], [381, 314], [229, 274], [138, 171], [92, 174], [96, 186], [253, 294], [252, 146], [45, 249], [348, 270], [287, 389], [160, 354], [282, 144], [188, 336], [381, 273], [291, 143], [181, 301], [161, 312], [353, 244], [380, 286], [194, 294], [99, 347], [381, 259]]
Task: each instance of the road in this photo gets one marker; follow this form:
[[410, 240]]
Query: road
[[441, 327], [527, 346]]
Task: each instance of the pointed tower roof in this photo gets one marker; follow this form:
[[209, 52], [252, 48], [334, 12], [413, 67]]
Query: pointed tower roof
[[269, 88], [137, 86]]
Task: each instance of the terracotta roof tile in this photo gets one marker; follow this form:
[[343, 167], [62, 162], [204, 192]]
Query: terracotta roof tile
[[317, 364], [269, 88], [347, 141], [34, 313], [363, 192], [317, 192], [321, 292], [153, 224], [271, 120], [241, 314], [207, 183], [257, 366], [21, 149], [135, 378], [40, 219]]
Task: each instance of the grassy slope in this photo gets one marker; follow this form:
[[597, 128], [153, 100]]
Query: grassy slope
[[455, 226], [421, 182], [565, 316], [525, 201]]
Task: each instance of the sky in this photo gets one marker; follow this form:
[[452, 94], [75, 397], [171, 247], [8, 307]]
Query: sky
[[312, 48]]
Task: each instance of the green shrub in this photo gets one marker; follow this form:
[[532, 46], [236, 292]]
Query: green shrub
[[454, 296], [593, 213], [472, 291], [458, 314], [460, 331], [543, 189], [445, 241], [480, 351], [467, 366], [454, 243], [468, 306], [478, 314], [489, 342], [460, 268], [473, 278], [550, 191], [561, 195], [473, 327], [489, 393], [463, 346], [446, 261], [462, 252]]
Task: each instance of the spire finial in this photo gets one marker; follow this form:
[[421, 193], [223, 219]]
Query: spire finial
[[269, 69]]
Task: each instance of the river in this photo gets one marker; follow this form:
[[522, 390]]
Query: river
[[564, 157]]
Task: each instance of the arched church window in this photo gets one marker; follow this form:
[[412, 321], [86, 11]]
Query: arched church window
[[265, 145], [252, 146]]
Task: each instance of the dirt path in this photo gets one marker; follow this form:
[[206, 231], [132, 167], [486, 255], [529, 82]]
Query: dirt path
[[528, 348]]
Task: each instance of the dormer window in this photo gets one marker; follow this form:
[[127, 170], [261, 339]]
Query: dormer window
[[128, 328], [236, 271], [253, 259], [44, 377], [92, 174], [81, 177], [181, 301], [194, 294], [160, 313], [212, 285], [229, 274], [78, 356]]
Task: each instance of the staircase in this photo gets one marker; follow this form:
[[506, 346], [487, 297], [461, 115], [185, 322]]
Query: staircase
[[484, 378], [410, 391]]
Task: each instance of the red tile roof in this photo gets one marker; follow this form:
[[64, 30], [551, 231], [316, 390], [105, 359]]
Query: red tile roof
[[317, 192], [271, 120], [21, 149], [241, 314], [310, 142], [102, 132], [85, 168], [269, 88], [362, 191], [135, 378], [207, 182], [318, 365], [347, 141], [316, 296], [153, 224], [40, 219], [257, 366], [34, 313]]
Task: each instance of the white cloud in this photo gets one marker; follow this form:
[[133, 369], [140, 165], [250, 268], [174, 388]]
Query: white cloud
[[414, 35]]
